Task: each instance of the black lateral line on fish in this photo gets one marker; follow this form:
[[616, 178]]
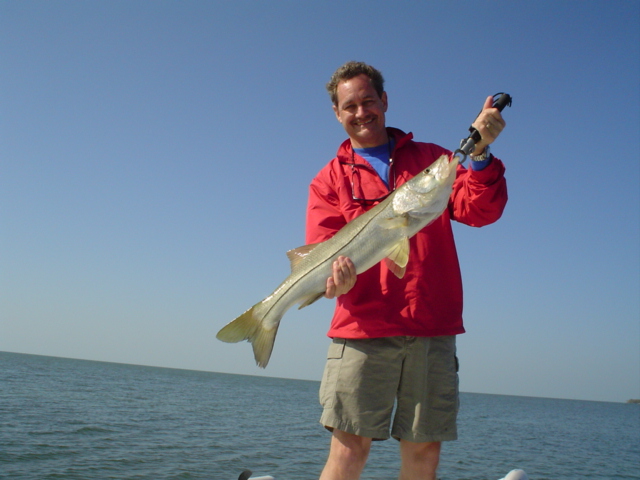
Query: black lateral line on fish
[[336, 251]]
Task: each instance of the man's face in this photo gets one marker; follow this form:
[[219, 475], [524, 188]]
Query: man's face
[[361, 112]]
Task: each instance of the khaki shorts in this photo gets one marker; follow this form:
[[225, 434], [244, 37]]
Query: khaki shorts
[[364, 379]]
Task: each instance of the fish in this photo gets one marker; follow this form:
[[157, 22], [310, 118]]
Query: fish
[[382, 233]]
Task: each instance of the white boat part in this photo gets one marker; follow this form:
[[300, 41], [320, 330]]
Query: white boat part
[[246, 475], [512, 475], [516, 475]]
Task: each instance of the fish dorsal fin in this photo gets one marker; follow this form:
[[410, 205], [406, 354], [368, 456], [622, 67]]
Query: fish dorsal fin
[[297, 254], [398, 257]]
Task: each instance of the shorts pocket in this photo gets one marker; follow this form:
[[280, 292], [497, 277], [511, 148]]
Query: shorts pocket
[[336, 349], [331, 372]]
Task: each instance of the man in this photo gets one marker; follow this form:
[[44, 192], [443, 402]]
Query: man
[[394, 339]]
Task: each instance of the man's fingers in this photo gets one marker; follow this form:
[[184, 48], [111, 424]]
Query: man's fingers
[[343, 277]]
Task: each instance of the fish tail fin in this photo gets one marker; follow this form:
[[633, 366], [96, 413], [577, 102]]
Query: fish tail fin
[[239, 329], [263, 345], [249, 326]]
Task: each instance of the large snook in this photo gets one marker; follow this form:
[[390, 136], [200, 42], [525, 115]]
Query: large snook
[[380, 233]]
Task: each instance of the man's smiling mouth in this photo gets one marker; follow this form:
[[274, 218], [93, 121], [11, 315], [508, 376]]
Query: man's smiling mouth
[[359, 124]]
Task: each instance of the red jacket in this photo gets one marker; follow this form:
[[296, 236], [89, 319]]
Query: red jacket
[[428, 300]]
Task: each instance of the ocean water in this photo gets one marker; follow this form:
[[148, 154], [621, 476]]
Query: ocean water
[[76, 419]]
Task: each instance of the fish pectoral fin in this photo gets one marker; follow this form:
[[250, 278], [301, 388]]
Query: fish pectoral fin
[[397, 258], [399, 221], [308, 300], [297, 254], [395, 268]]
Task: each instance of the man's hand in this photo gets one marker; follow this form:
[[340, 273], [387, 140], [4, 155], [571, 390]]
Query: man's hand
[[343, 278], [489, 124]]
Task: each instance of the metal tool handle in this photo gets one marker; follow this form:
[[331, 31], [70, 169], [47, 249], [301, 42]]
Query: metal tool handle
[[467, 145]]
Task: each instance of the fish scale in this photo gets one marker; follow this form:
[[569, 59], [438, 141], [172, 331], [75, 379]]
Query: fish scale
[[382, 232]]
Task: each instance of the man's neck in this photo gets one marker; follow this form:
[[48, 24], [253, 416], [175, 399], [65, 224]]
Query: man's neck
[[384, 141]]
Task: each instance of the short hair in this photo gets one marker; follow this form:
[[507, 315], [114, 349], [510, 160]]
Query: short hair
[[350, 70]]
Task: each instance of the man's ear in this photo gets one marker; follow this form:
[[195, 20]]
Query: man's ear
[[335, 110], [384, 101]]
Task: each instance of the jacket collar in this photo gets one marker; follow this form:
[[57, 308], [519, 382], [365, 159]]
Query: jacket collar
[[345, 150]]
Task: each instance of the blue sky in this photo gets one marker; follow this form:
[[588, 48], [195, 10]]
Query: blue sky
[[155, 158]]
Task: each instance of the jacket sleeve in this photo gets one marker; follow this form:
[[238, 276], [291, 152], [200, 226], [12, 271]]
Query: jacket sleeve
[[324, 217], [479, 197]]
